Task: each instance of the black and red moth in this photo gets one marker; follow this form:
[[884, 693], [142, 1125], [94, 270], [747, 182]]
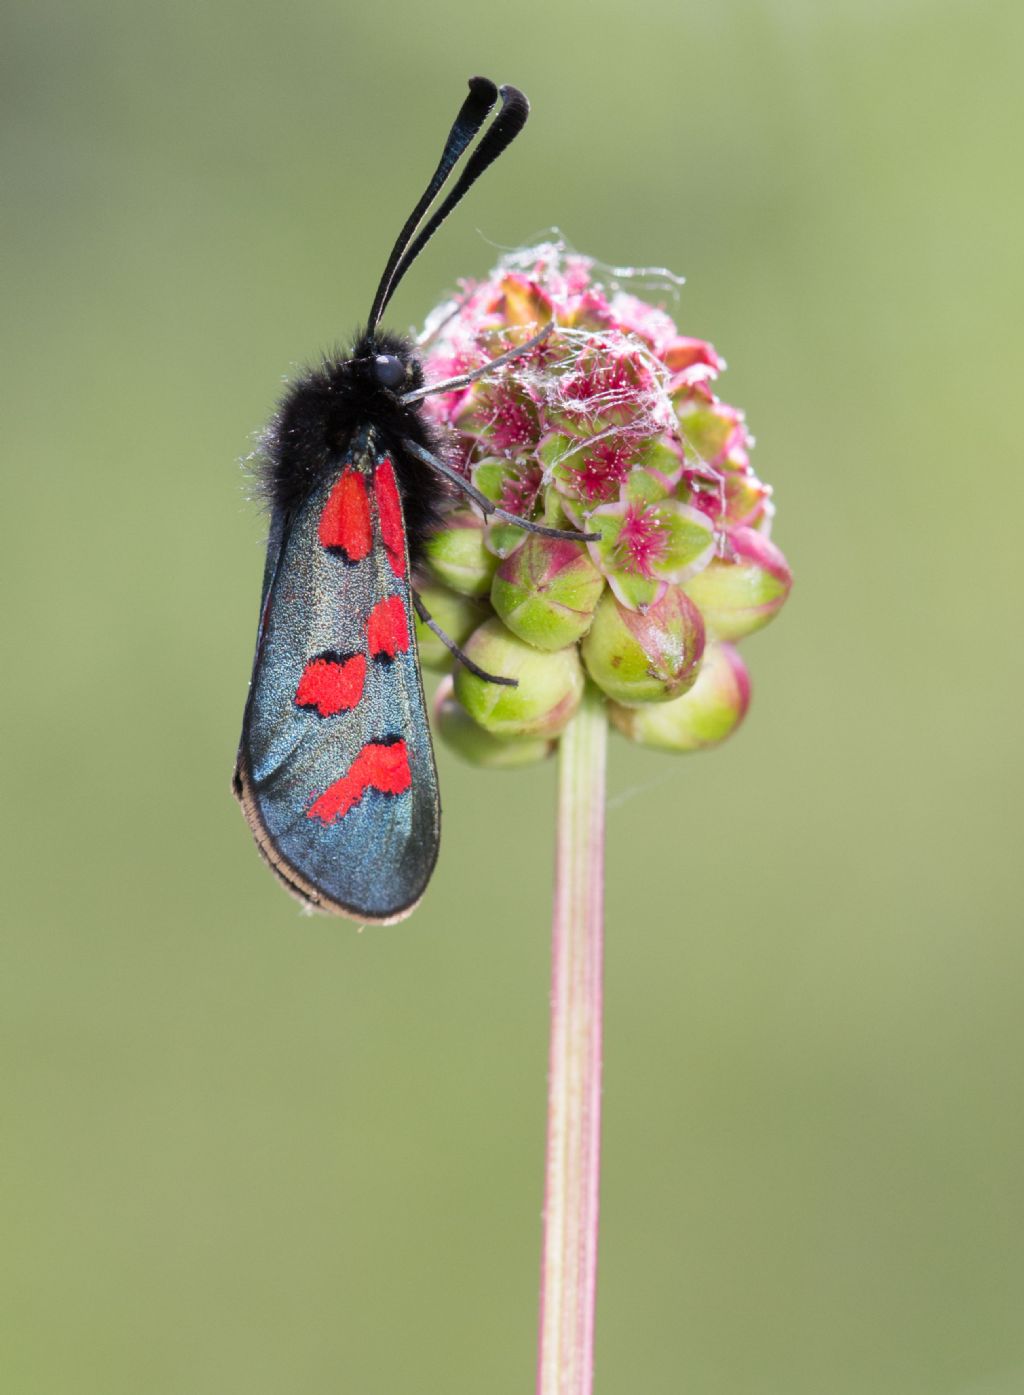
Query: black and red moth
[[335, 769]]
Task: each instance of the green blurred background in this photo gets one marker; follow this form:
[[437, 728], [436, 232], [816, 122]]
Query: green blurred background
[[252, 1152]]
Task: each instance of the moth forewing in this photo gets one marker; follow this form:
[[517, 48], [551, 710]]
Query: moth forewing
[[336, 770]]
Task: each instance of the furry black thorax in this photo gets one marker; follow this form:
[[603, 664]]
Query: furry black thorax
[[325, 412]]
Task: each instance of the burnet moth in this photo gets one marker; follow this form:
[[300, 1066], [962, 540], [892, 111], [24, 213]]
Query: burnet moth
[[335, 769]]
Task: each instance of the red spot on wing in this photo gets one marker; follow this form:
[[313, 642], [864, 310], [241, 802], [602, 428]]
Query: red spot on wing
[[345, 521], [376, 767], [387, 630], [331, 684], [389, 511]]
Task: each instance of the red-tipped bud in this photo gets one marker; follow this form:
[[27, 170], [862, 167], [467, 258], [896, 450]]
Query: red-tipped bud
[[740, 595], [691, 360], [648, 657], [710, 428], [546, 591], [706, 715]]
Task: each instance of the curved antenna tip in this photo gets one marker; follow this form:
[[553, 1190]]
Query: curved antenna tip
[[484, 87], [499, 135], [514, 95]]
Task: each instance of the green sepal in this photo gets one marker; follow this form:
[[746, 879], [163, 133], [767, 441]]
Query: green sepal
[[549, 685], [471, 743]]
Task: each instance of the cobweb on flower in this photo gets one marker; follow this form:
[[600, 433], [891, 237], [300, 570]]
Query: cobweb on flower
[[601, 383], [599, 392], [552, 253]]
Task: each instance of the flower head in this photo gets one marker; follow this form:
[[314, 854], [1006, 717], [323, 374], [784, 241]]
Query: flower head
[[610, 426]]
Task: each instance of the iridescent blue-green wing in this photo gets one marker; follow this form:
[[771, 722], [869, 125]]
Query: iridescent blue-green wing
[[335, 769]]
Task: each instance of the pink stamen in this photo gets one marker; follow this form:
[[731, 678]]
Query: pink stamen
[[641, 541], [511, 425], [604, 470], [519, 492]]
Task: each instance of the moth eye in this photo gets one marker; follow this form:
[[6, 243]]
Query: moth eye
[[389, 370]]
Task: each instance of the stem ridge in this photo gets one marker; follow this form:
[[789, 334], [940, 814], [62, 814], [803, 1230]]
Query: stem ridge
[[571, 1194]]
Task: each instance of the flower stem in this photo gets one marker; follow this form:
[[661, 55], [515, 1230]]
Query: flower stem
[[569, 1269]]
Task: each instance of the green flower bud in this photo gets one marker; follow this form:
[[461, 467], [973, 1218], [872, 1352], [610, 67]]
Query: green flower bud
[[457, 554], [457, 615], [458, 730], [706, 715], [739, 596], [648, 657], [710, 428], [546, 591], [550, 685]]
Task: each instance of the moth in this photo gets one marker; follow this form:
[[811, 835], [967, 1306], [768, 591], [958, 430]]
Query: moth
[[335, 771]]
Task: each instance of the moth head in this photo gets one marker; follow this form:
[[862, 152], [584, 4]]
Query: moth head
[[385, 366], [389, 371]]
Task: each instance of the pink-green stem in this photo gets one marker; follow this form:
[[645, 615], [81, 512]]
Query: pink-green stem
[[569, 1271]]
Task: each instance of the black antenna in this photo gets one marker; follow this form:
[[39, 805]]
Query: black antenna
[[503, 130], [472, 114]]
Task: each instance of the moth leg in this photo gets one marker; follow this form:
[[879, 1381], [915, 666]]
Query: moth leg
[[488, 506], [464, 379], [453, 648]]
